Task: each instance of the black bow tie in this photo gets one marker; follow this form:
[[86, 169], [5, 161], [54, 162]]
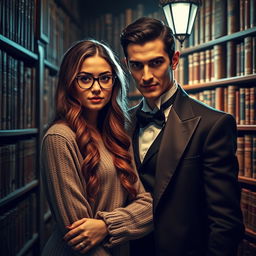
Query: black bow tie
[[145, 118]]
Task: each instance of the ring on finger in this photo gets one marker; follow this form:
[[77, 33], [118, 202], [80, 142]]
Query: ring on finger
[[82, 245]]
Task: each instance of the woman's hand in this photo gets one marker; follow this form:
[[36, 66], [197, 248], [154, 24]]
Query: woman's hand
[[85, 234]]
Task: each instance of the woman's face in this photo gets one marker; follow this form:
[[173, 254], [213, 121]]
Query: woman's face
[[94, 83]]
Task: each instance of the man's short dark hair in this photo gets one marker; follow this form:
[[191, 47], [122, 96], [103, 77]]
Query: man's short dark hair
[[147, 29]]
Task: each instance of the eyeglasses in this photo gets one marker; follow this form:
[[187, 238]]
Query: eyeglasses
[[86, 81]]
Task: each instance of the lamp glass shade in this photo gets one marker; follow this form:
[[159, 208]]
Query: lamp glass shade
[[192, 17], [180, 17]]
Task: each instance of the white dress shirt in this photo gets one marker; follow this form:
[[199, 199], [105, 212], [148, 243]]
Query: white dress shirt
[[148, 134]]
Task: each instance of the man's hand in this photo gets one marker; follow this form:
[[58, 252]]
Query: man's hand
[[85, 234]]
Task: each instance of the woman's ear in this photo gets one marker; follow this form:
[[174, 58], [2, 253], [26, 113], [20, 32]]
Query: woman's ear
[[175, 60]]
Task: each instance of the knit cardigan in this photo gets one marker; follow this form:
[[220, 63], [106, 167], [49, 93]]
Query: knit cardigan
[[65, 189]]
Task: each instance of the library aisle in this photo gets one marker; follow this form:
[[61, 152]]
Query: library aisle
[[217, 67]]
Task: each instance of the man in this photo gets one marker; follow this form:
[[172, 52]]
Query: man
[[185, 155]]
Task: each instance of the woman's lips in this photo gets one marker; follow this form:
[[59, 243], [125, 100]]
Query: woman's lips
[[96, 99]]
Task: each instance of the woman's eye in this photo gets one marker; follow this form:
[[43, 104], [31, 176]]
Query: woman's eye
[[105, 78], [85, 79]]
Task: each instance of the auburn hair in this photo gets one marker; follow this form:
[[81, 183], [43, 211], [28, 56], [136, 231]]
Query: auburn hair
[[112, 118]]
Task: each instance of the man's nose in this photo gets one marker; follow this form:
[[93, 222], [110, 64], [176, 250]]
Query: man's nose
[[147, 74]]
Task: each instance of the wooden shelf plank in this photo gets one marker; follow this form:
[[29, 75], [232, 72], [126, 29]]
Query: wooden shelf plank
[[51, 66], [241, 80], [246, 127], [247, 180], [223, 39], [18, 132], [10, 45], [250, 233], [18, 193], [28, 245]]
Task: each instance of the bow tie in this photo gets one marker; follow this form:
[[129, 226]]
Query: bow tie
[[145, 118]]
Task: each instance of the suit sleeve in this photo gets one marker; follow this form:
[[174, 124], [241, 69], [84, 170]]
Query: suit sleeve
[[131, 222], [222, 188], [63, 183]]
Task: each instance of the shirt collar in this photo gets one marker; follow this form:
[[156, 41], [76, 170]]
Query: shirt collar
[[161, 100]]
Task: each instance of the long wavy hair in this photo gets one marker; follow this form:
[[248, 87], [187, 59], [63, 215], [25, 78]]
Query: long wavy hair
[[112, 118]]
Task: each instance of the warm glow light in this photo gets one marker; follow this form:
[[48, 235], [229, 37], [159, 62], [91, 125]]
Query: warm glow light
[[180, 16], [180, 12]]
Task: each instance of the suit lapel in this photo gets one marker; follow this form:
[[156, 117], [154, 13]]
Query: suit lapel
[[135, 143], [180, 126]]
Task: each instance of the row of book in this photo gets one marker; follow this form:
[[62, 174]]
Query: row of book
[[50, 83], [246, 155], [238, 101], [246, 248], [217, 18], [17, 21], [63, 32], [248, 207], [222, 61], [17, 226], [17, 165], [17, 93], [107, 27]]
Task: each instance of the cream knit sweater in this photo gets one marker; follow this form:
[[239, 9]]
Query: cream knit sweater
[[66, 193]]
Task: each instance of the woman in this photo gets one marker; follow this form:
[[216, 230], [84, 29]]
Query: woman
[[94, 193]]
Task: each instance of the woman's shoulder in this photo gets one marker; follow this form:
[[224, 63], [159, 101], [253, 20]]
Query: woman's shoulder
[[60, 129]]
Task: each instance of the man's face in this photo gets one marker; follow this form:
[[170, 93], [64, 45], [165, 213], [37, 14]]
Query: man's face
[[151, 68]]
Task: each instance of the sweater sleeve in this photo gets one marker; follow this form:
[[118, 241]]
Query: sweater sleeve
[[130, 222], [62, 181]]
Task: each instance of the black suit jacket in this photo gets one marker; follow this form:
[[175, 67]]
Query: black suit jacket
[[196, 194]]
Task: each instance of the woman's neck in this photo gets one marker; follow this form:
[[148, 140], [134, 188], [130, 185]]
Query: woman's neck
[[92, 119]]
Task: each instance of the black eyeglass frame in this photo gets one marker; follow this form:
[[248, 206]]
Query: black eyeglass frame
[[96, 79]]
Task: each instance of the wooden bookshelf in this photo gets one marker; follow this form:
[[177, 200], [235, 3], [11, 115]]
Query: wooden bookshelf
[[247, 180], [31, 31], [221, 40], [17, 49], [218, 71], [18, 193], [29, 244], [18, 132], [241, 81]]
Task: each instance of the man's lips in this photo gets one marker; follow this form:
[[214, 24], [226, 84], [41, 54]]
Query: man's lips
[[148, 87]]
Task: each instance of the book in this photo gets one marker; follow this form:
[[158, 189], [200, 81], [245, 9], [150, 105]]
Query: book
[[220, 18]]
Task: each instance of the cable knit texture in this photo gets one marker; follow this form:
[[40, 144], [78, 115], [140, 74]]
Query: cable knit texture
[[65, 189]]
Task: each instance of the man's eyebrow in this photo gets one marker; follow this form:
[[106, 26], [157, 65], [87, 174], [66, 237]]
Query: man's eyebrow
[[134, 61], [153, 59]]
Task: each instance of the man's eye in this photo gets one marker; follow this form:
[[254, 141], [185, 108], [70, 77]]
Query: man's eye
[[135, 65], [156, 63]]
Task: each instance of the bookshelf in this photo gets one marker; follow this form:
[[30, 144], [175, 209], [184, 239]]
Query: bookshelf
[[32, 41], [220, 70], [217, 66]]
